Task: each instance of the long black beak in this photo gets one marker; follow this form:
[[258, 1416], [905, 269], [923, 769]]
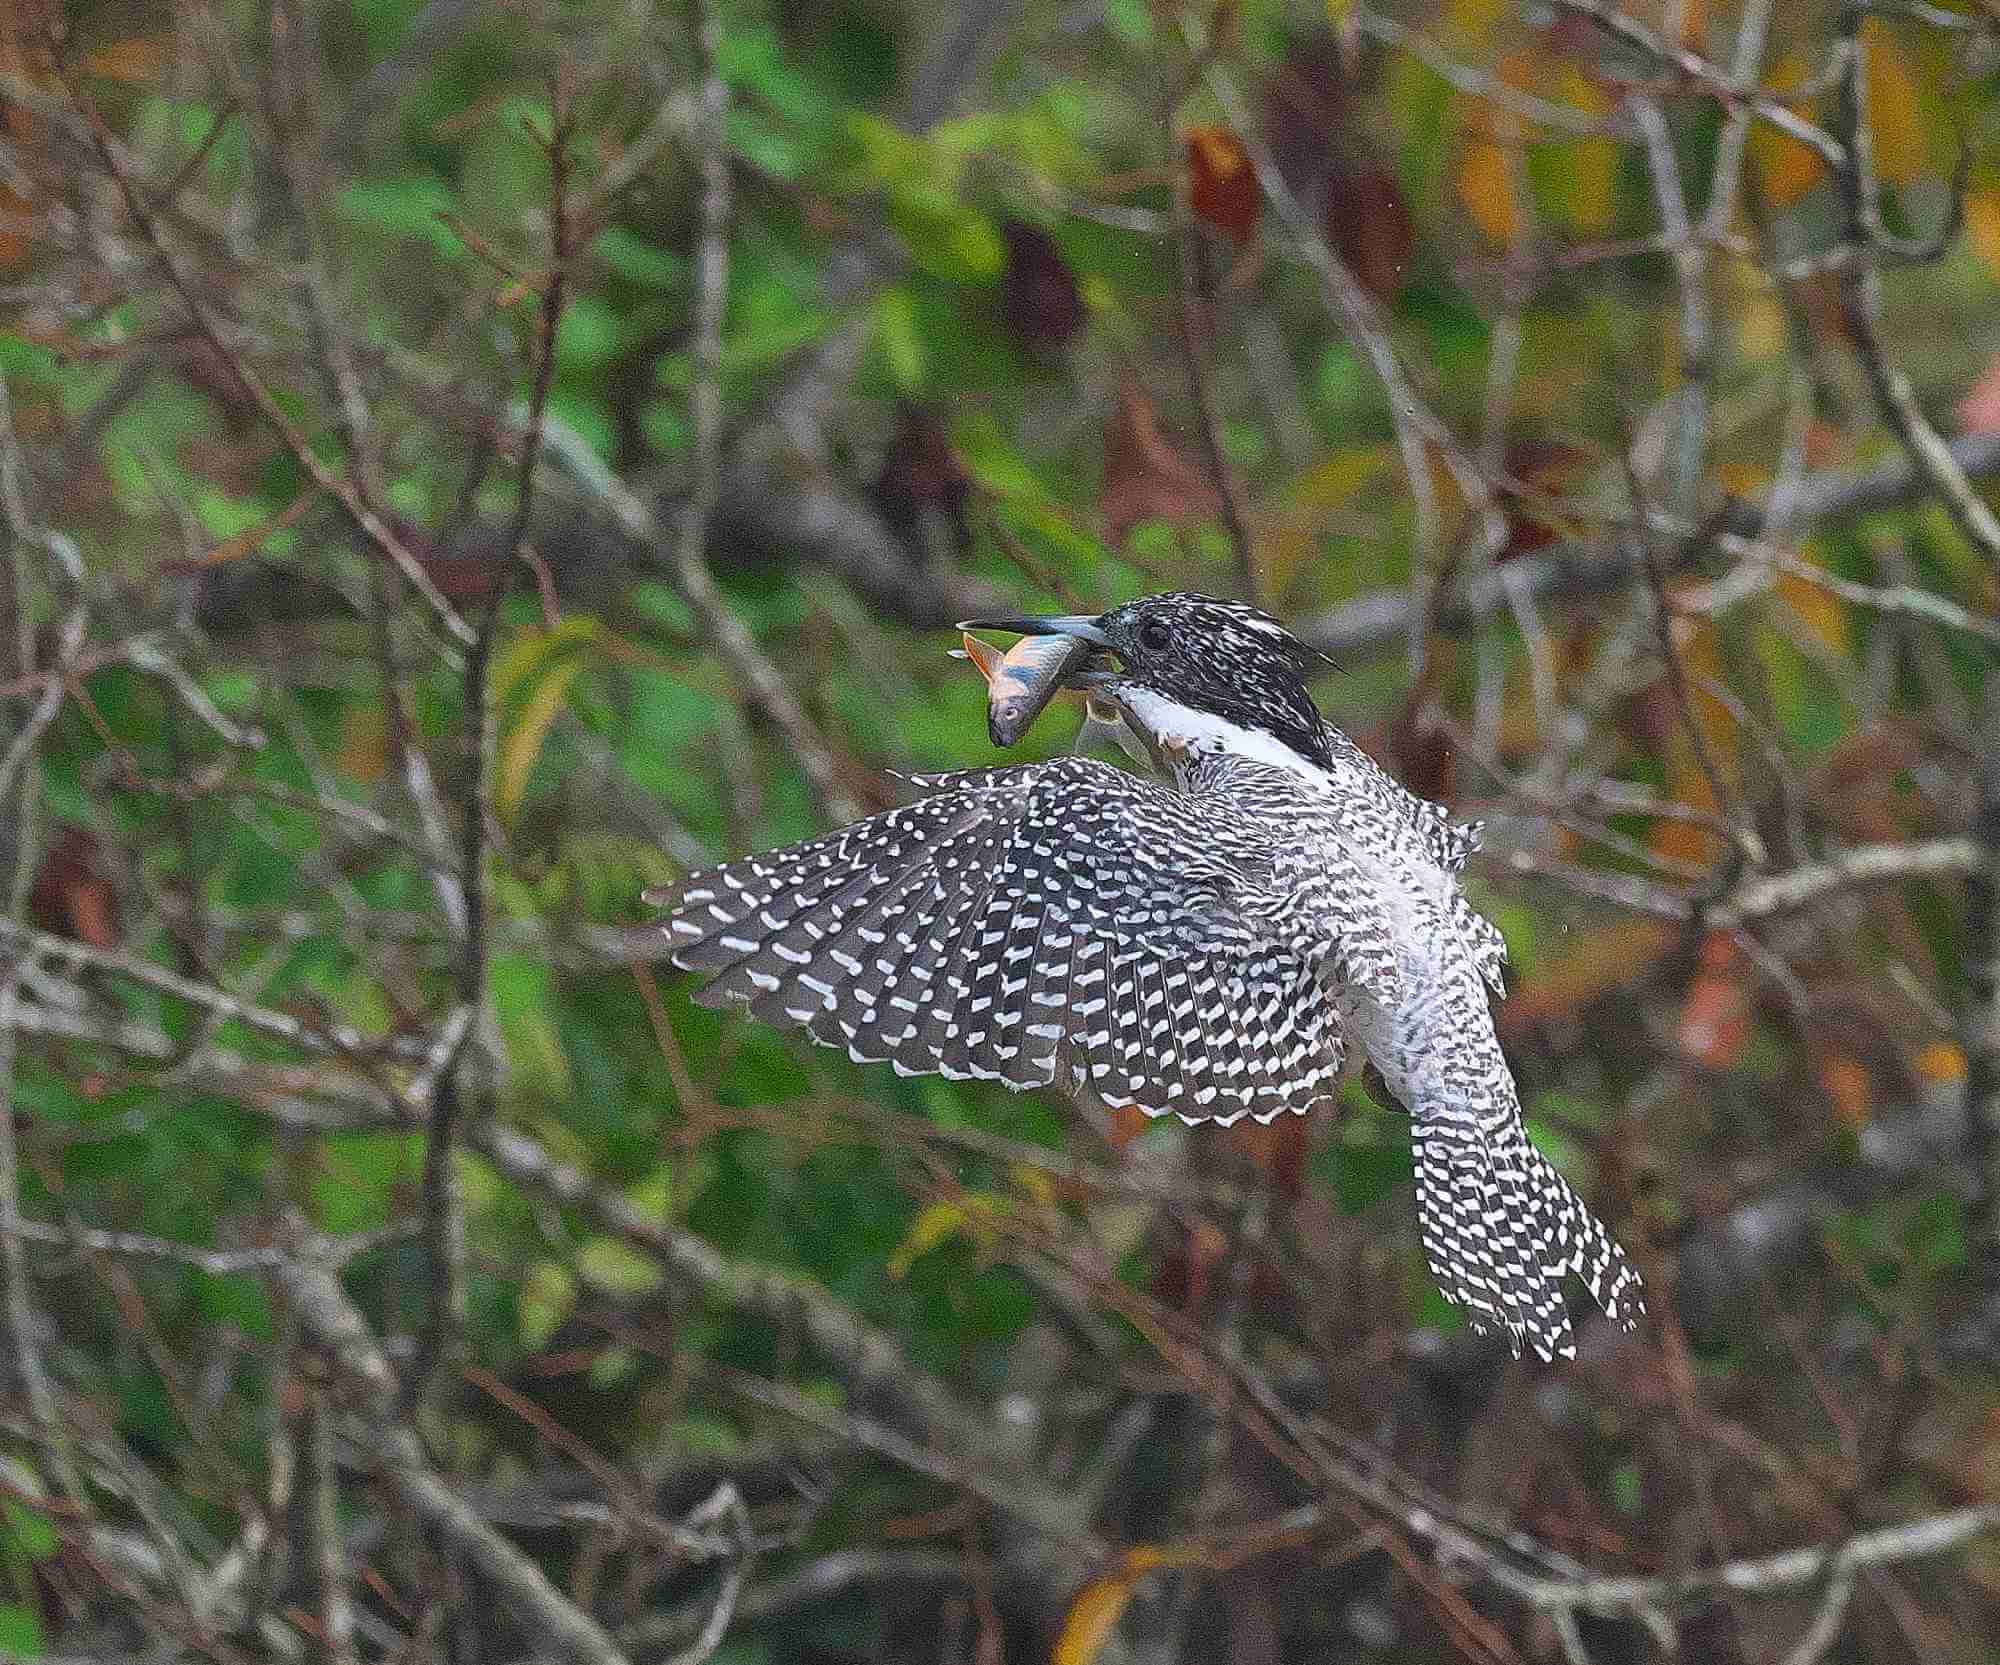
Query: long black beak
[[1079, 625]]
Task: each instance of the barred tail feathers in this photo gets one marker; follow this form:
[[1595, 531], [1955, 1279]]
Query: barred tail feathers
[[1501, 1226]]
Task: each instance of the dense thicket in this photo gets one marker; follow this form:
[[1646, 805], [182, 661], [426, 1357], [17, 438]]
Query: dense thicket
[[462, 461]]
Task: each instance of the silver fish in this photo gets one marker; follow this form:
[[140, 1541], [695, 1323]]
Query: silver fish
[[1021, 682]]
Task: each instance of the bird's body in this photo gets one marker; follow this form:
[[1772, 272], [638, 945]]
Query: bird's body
[[1206, 943]]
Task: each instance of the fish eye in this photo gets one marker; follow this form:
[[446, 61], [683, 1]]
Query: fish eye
[[1154, 636]]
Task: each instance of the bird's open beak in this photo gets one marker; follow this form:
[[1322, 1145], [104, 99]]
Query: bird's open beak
[[1081, 626]]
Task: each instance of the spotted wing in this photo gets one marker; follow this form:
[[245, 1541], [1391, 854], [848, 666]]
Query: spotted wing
[[1062, 923]]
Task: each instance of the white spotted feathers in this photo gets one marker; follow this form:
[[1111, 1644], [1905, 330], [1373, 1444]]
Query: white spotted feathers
[[1203, 945], [1047, 925]]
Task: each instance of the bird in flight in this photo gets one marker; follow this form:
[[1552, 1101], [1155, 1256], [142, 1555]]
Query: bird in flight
[[1208, 942]]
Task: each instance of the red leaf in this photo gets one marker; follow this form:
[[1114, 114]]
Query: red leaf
[[1979, 410], [1222, 186], [1715, 1017]]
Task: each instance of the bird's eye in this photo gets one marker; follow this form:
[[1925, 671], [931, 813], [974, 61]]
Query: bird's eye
[[1154, 636]]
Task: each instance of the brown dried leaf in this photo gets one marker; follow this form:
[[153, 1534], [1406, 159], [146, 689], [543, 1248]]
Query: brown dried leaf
[[72, 894], [1145, 478], [1370, 227], [1039, 297]]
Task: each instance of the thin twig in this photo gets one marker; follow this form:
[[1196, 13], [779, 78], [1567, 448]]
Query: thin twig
[[392, 1447], [1479, 83], [1631, 32], [20, 811], [752, 667], [1980, 1025], [247, 380], [1380, 620], [464, 1081], [724, 1504], [1188, 310], [1925, 446], [1418, 428]]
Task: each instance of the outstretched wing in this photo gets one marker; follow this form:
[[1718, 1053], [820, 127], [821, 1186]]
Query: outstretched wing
[[1059, 923]]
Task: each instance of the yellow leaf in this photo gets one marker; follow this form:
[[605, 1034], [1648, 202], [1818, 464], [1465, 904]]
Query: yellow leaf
[[1329, 485], [1786, 167], [1295, 534], [1091, 1618], [364, 743], [932, 1226], [1761, 328], [1036, 1183], [1818, 609], [522, 743], [1893, 117], [1940, 1062], [1592, 195], [1486, 187], [973, 1214], [1467, 22], [1982, 225], [1742, 479], [1101, 1603], [524, 657]]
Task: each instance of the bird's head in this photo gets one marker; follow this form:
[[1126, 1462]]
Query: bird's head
[[1193, 673]]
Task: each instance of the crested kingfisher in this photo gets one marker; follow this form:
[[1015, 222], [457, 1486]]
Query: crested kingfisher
[[1207, 942]]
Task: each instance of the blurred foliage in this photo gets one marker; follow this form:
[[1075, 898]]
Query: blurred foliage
[[980, 331]]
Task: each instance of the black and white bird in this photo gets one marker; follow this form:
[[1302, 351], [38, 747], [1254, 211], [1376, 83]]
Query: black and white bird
[[1208, 942]]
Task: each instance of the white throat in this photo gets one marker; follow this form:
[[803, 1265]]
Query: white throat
[[1177, 734]]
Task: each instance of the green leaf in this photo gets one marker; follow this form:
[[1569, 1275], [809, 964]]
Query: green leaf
[[901, 342], [542, 1300], [1363, 1175], [29, 1530], [589, 336], [1131, 21], [358, 1177], [413, 207], [616, 1267], [637, 260], [20, 1632]]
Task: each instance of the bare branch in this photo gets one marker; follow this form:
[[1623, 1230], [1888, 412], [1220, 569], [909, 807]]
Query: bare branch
[[1628, 30], [397, 1454], [20, 815], [1188, 311], [1980, 1025], [248, 381], [1376, 622]]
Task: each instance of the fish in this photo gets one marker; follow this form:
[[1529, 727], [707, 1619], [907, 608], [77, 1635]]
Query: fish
[[1021, 682]]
